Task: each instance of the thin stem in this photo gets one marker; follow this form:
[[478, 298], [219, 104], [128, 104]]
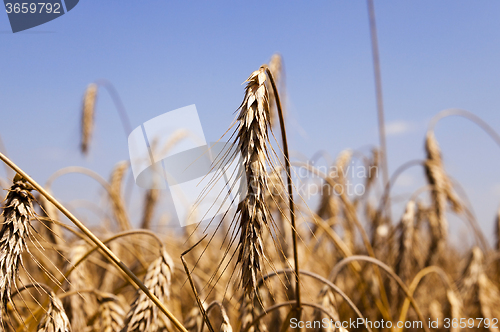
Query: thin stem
[[384, 201], [118, 104], [376, 262], [38, 285], [107, 252], [378, 91], [414, 284], [112, 238], [77, 291], [468, 115], [191, 282], [326, 282], [290, 187], [351, 214]]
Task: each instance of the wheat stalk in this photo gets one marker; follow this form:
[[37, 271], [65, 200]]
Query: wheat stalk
[[143, 314]]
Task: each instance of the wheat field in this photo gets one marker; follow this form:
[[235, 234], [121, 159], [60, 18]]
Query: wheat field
[[284, 262]]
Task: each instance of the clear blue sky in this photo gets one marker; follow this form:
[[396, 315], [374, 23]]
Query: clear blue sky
[[162, 55]]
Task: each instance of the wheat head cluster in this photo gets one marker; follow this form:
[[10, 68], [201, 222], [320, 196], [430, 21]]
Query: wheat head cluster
[[281, 258]]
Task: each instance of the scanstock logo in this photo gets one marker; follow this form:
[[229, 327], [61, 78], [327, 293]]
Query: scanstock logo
[[25, 15], [206, 180]]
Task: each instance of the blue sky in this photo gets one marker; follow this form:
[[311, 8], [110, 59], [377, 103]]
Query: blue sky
[[163, 55]]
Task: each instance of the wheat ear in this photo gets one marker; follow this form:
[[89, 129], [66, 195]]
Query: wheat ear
[[116, 180], [88, 109], [253, 212], [442, 189], [143, 314], [193, 320], [405, 260], [14, 235], [111, 312], [55, 319]]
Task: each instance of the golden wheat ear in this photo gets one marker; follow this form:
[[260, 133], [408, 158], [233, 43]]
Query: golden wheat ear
[[111, 312], [143, 314], [441, 193], [252, 138], [55, 319], [14, 236], [88, 110], [116, 196], [405, 260]]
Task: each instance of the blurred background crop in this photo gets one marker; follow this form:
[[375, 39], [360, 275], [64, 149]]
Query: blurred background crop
[[162, 55]]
